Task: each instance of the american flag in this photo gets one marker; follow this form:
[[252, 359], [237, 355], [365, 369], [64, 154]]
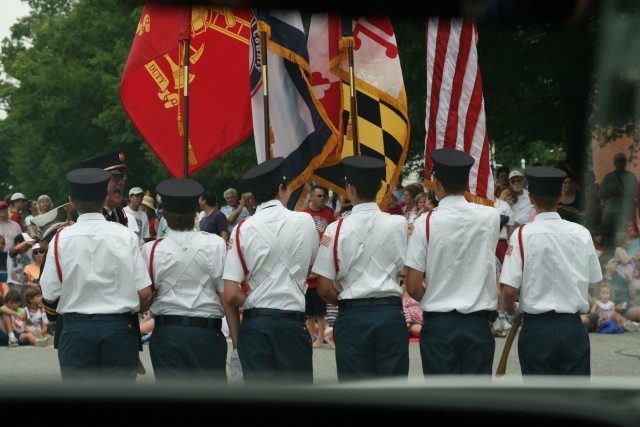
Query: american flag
[[455, 115]]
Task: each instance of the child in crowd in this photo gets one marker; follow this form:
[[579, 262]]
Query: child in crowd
[[624, 293], [13, 317], [626, 262], [36, 328], [606, 309], [411, 309], [634, 245], [596, 236]]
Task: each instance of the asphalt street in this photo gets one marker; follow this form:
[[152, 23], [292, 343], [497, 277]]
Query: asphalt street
[[611, 356]]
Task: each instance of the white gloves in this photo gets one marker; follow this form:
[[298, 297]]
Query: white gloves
[[510, 317], [235, 367]]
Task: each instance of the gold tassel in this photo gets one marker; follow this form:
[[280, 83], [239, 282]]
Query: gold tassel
[[192, 156]]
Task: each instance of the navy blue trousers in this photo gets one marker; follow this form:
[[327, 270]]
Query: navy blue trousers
[[372, 341], [453, 343], [98, 346], [554, 344]]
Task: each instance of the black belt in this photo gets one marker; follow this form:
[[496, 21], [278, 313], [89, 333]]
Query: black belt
[[491, 314], [271, 312], [550, 314], [197, 322], [366, 302], [70, 316]]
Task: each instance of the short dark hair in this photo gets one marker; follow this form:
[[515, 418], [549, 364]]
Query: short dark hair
[[318, 187], [180, 221], [12, 296], [503, 169], [366, 192], [210, 198], [265, 196], [454, 187], [84, 206], [545, 202]]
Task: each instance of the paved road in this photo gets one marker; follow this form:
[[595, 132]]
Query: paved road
[[611, 355]]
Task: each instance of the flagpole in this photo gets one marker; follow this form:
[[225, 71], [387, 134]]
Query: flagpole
[[185, 88], [265, 92], [347, 33]]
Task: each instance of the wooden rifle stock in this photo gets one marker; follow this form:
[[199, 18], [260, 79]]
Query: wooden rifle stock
[[515, 326]]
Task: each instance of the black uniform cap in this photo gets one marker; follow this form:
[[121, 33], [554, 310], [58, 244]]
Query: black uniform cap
[[266, 176], [451, 165], [545, 180], [364, 170], [180, 195], [88, 184], [112, 162]]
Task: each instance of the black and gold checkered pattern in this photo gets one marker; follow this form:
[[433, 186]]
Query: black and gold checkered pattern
[[383, 133]]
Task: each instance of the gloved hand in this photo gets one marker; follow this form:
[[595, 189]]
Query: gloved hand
[[235, 367], [510, 317]]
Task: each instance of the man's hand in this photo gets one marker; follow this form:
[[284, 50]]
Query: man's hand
[[511, 315], [235, 367]]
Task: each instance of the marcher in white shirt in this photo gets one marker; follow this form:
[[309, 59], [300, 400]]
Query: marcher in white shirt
[[95, 274], [454, 246], [272, 250], [551, 270]]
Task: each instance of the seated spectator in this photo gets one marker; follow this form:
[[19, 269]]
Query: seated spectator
[[634, 244], [32, 271], [626, 263], [624, 293], [35, 326], [13, 317], [605, 308]]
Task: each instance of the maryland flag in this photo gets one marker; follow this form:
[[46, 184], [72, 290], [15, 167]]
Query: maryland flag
[[299, 130], [153, 82], [455, 115], [382, 118]]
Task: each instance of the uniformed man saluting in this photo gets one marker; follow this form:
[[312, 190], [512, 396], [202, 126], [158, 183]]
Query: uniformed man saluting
[[551, 262], [272, 250], [363, 254], [455, 246], [186, 268], [96, 275]]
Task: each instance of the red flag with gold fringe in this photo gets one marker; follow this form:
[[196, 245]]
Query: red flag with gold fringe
[[153, 81]]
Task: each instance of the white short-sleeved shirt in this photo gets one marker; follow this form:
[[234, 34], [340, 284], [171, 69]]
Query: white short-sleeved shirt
[[278, 290], [522, 208], [504, 208], [559, 263], [188, 297], [102, 268], [460, 260], [142, 222], [374, 281]]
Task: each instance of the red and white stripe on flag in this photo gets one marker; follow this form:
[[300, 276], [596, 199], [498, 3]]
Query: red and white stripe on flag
[[455, 115]]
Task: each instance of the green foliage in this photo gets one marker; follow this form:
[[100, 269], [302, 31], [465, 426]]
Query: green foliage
[[541, 87]]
